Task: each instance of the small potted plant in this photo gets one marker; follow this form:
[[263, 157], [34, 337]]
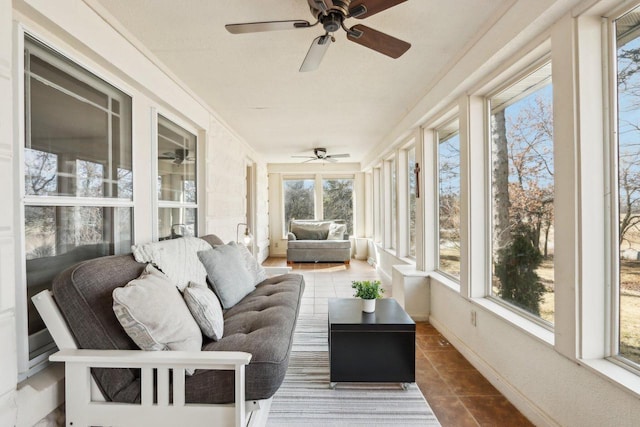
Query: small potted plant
[[369, 291]]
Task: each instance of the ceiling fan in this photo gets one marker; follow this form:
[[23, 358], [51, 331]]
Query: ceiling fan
[[321, 154], [332, 15], [179, 155]]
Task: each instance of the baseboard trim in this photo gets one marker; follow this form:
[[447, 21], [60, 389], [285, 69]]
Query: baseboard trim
[[528, 408]]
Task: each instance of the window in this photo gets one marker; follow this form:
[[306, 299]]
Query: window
[[337, 200], [394, 204], [411, 175], [522, 195], [78, 175], [177, 183], [628, 186], [299, 200], [448, 139]]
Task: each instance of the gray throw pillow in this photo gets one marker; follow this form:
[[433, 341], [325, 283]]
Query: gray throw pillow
[[206, 309], [227, 273], [253, 266], [310, 230], [153, 313]]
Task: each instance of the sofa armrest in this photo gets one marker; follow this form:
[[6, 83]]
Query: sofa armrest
[[291, 236], [155, 367]]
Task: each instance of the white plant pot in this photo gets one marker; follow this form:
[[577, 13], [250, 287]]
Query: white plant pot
[[368, 305]]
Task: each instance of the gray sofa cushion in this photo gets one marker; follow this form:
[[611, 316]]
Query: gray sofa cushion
[[262, 323], [319, 244]]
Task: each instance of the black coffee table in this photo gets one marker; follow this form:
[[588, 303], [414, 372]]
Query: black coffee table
[[371, 347]]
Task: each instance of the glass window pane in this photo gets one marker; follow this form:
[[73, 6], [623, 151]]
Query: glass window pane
[[75, 144], [337, 201], [411, 160], [57, 237], [522, 194], [298, 200], [392, 243], [177, 222], [449, 199], [628, 49], [176, 163]]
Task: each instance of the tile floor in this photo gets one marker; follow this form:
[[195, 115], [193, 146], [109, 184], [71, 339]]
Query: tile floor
[[456, 391]]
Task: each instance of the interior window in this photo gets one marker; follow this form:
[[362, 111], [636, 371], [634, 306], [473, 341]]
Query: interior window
[[177, 183], [78, 175]]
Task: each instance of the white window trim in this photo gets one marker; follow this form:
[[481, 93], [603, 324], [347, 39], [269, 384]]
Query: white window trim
[[28, 367], [436, 141], [200, 162]]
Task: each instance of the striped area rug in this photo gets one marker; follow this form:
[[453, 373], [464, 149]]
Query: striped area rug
[[305, 399]]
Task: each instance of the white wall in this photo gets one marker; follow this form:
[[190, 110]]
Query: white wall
[[79, 32], [8, 363]]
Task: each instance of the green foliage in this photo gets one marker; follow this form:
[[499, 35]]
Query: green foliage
[[338, 201], [367, 289], [519, 282], [298, 199]]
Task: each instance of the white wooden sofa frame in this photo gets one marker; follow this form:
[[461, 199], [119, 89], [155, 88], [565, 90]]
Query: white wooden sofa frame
[[86, 406]]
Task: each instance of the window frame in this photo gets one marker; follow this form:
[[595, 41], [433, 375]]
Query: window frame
[[515, 78], [437, 140], [318, 195], [613, 303], [80, 70], [159, 204]]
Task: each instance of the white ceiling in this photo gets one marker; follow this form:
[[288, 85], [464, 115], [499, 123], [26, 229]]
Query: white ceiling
[[348, 105]]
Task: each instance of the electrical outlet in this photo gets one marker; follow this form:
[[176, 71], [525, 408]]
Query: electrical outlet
[[276, 244], [473, 318]]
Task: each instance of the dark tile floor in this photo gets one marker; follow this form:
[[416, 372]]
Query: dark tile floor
[[458, 394]]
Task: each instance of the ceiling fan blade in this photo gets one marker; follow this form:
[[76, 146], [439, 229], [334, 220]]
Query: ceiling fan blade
[[330, 159], [372, 7], [339, 156], [316, 53], [380, 42], [311, 160], [304, 157], [258, 27]]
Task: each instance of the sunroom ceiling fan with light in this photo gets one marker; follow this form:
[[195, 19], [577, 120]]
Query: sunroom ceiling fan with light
[[332, 15], [321, 154]]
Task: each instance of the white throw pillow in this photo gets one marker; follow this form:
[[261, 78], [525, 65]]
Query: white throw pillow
[[255, 269], [177, 258], [206, 309], [153, 313], [336, 231]]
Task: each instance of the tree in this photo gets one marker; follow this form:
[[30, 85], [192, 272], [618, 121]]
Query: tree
[[519, 282], [338, 201], [500, 184], [298, 200], [523, 197]]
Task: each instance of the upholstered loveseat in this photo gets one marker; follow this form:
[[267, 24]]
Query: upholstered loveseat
[[248, 362], [318, 241]]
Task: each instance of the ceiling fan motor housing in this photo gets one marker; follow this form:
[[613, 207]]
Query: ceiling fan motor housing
[[332, 22]]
